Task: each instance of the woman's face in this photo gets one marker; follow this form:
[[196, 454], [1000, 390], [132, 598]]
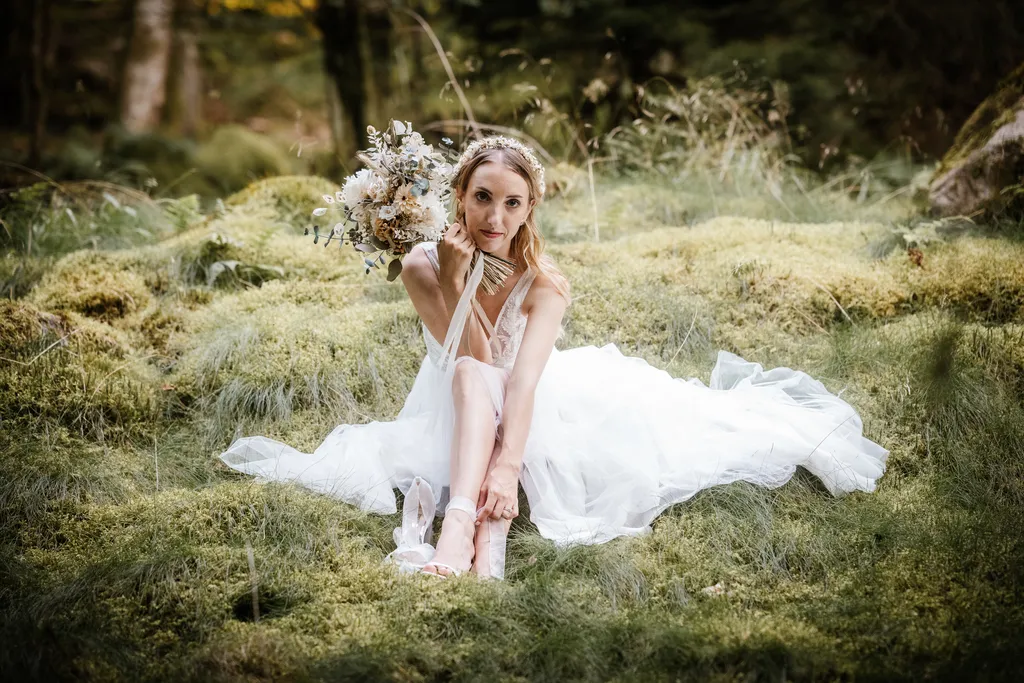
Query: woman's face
[[496, 202]]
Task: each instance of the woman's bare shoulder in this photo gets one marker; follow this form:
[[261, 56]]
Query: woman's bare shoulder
[[417, 269], [543, 292]]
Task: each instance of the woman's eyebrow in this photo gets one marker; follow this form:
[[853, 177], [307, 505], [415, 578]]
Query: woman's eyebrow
[[481, 188]]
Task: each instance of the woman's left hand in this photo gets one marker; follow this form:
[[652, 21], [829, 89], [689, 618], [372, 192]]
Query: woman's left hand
[[499, 496]]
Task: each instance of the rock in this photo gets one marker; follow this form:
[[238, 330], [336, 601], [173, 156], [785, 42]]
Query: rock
[[987, 156], [717, 590]]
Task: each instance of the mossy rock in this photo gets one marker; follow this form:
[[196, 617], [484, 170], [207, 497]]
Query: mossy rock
[[987, 157], [263, 354], [290, 199], [23, 324], [101, 285], [253, 246], [80, 372], [747, 284]]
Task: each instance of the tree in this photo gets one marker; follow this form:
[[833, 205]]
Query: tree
[[145, 76], [357, 36], [187, 80]]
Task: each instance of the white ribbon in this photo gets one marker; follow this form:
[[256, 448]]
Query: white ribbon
[[450, 349]]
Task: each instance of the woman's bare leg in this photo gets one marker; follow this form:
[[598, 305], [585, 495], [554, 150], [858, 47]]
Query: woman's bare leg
[[482, 542], [471, 451]]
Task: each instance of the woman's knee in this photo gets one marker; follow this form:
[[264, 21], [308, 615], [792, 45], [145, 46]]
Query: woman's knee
[[467, 380]]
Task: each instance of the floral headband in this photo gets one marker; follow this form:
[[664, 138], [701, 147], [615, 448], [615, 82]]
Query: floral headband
[[502, 142]]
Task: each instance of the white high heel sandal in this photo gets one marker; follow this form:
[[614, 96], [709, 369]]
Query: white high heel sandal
[[463, 504], [412, 539]]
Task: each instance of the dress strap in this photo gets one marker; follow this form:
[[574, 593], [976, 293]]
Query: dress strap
[[492, 335], [431, 249]]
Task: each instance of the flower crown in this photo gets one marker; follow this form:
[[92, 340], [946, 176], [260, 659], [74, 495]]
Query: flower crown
[[502, 142]]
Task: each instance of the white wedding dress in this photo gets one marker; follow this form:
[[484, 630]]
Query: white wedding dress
[[613, 440]]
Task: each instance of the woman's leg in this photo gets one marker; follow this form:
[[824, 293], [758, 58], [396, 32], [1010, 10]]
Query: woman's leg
[[471, 451], [481, 561]]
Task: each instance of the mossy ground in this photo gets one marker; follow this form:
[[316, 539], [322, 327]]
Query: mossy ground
[[129, 553]]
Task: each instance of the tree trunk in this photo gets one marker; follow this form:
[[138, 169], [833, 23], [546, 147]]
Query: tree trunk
[[376, 43], [334, 116], [338, 21], [187, 75], [41, 50], [145, 79]]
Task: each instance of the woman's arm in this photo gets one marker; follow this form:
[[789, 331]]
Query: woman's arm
[[435, 303], [544, 319]]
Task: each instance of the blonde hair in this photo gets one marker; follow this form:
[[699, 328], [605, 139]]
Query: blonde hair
[[527, 244]]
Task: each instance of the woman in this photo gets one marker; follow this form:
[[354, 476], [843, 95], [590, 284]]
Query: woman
[[601, 442]]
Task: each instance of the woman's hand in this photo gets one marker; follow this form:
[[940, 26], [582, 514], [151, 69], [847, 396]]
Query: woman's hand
[[454, 255], [499, 496]]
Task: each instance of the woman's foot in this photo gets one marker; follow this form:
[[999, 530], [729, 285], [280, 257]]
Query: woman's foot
[[455, 545], [484, 565]]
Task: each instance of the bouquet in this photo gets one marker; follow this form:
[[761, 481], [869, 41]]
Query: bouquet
[[398, 201]]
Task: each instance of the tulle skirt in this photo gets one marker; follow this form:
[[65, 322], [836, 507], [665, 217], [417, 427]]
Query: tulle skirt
[[613, 441]]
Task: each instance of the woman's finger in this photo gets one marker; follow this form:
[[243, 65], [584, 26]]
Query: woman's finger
[[488, 507], [499, 508]]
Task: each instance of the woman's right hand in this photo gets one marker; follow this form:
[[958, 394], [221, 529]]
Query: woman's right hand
[[455, 254]]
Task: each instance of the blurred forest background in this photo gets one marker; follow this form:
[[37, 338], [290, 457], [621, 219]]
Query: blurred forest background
[[204, 95]]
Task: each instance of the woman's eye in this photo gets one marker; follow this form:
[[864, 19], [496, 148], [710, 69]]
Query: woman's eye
[[481, 196], [513, 203]]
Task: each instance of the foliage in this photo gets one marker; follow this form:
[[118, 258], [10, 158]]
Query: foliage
[[51, 220], [716, 126]]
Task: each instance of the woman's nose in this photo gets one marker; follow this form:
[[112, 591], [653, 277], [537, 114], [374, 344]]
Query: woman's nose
[[494, 217]]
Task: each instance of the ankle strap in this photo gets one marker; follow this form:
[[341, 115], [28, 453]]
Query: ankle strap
[[461, 503]]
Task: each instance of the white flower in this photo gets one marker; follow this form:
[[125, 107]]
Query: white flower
[[377, 189], [434, 217], [356, 187], [387, 213]]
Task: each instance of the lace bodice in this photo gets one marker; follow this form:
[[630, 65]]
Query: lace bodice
[[508, 329]]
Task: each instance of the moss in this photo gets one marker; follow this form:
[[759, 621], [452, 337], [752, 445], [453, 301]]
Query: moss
[[761, 276], [261, 354], [291, 199], [21, 325], [79, 372], [252, 237], [982, 278], [99, 285]]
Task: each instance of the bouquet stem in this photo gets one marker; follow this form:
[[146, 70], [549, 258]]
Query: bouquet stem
[[496, 271]]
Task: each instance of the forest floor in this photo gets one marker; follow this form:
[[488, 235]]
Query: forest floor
[[129, 552]]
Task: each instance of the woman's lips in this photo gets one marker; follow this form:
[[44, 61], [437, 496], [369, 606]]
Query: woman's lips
[[491, 235]]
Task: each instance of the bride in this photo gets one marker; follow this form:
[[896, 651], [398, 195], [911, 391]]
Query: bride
[[601, 442]]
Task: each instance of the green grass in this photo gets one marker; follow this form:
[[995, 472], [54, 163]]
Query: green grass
[[125, 552]]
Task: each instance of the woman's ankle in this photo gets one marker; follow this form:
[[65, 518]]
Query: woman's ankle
[[482, 545], [451, 550]]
